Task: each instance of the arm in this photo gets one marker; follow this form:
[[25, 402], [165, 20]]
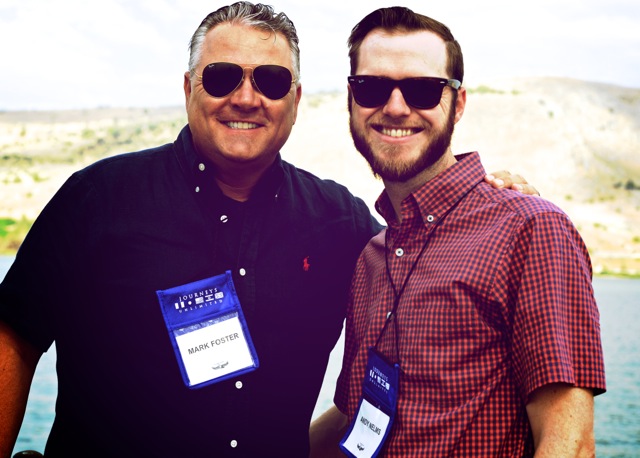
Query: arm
[[561, 418], [326, 432], [506, 180], [18, 360]]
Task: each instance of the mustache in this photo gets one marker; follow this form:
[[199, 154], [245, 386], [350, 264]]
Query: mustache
[[395, 123]]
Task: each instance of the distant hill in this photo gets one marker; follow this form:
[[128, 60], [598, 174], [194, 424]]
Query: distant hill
[[577, 142]]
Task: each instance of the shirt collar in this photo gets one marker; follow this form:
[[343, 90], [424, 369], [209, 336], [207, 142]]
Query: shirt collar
[[433, 199]]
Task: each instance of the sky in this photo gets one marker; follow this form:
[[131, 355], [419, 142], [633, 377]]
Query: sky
[[71, 54]]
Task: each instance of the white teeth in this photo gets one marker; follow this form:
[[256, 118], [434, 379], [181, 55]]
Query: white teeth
[[397, 132], [242, 125]]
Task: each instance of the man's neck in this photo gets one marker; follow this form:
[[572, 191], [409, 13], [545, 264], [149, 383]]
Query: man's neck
[[241, 193], [238, 180], [397, 191]]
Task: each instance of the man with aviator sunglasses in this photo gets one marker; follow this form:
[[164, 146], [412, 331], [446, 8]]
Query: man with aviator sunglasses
[[123, 232], [472, 329]]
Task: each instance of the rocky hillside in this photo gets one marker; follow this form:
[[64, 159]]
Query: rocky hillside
[[578, 142]]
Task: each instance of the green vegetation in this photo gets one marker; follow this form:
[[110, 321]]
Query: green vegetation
[[622, 273], [36, 146], [89, 145], [629, 185], [482, 89], [12, 233]]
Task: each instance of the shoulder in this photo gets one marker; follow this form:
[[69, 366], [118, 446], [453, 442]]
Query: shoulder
[[521, 219], [321, 192], [308, 182], [117, 177], [534, 226], [126, 170], [326, 200], [130, 163], [519, 205]]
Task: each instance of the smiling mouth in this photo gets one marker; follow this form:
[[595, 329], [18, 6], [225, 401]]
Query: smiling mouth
[[241, 125], [396, 133]]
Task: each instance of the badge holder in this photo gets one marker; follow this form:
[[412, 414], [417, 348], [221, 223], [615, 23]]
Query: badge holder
[[208, 330], [374, 419]]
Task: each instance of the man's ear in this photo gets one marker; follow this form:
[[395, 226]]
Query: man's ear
[[187, 88], [298, 96], [461, 103]]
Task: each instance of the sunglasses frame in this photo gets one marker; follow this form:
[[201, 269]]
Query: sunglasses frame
[[253, 81], [391, 84]]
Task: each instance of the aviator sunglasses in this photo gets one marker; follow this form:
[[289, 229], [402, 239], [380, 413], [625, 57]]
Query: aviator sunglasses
[[220, 79], [422, 93]]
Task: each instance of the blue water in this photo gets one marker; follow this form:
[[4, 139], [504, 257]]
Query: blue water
[[617, 418], [617, 415]]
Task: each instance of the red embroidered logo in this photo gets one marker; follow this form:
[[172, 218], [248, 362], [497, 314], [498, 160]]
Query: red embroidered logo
[[305, 264]]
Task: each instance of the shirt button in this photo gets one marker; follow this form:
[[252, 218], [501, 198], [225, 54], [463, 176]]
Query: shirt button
[[239, 385], [224, 218], [242, 272], [233, 443], [430, 218], [197, 188], [201, 167], [399, 252]]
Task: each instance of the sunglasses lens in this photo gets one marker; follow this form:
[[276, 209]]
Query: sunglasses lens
[[273, 81], [422, 93], [221, 78], [374, 91], [370, 91]]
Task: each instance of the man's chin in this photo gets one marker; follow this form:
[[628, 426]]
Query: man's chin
[[249, 157], [394, 175]]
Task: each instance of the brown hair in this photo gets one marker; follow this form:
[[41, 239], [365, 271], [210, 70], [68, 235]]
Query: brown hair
[[401, 19]]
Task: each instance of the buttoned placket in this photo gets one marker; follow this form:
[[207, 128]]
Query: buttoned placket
[[411, 236], [224, 219], [405, 245], [404, 242]]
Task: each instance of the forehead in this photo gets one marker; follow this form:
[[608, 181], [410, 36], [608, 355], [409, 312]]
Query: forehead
[[242, 44], [402, 54]]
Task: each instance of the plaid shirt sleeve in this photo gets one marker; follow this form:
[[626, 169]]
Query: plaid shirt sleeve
[[556, 331]]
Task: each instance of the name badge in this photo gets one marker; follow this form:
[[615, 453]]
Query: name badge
[[371, 425], [208, 330]]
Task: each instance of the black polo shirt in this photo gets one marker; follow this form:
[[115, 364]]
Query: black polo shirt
[[130, 225]]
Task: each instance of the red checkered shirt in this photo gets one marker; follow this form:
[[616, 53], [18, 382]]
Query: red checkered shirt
[[499, 304]]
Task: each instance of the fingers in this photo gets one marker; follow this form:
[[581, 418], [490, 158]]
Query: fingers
[[506, 180], [497, 180], [526, 189]]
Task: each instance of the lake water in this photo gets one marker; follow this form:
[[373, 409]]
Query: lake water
[[617, 417]]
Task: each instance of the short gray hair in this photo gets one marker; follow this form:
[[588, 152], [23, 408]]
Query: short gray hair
[[260, 16]]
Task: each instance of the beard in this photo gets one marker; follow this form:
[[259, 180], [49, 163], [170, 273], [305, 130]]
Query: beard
[[397, 170]]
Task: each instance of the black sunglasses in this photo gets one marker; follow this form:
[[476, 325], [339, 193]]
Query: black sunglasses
[[222, 78], [422, 93]]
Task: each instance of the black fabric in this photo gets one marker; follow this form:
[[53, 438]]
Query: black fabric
[[129, 225]]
